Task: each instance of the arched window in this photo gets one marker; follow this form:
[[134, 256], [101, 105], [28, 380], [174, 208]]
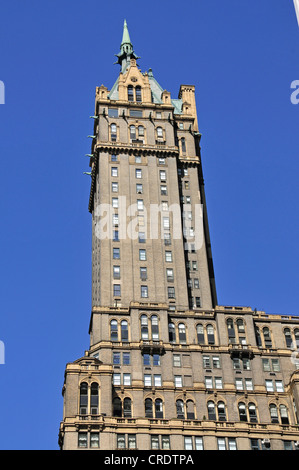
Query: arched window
[[242, 412], [241, 331], [288, 337], [258, 337], [144, 327], [183, 143], [113, 330], [148, 404], [159, 133], [124, 330], [267, 337], [155, 328], [182, 333], [231, 331], [138, 93], [130, 93], [132, 132], [117, 407], [273, 413], [140, 131], [200, 334], [190, 409], [211, 410], [211, 335], [113, 132], [171, 332], [221, 411], [83, 398], [158, 408], [284, 414], [127, 408], [296, 333], [180, 410], [94, 398], [252, 413]]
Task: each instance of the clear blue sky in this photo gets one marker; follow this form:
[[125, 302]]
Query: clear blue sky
[[242, 57]]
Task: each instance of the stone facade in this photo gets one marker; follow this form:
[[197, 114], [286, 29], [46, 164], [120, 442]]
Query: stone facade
[[167, 367]]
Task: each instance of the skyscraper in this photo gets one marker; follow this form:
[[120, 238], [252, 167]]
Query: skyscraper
[[167, 367]]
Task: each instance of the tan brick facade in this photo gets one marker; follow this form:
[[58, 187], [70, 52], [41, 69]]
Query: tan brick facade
[[167, 367]]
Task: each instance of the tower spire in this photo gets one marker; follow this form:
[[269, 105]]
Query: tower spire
[[126, 50]]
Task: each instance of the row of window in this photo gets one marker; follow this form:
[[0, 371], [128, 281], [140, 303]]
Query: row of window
[[162, 442]]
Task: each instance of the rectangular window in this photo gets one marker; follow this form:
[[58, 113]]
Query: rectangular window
[[169, 274], [142, 255], [143, 274], [176, 360], [269, 386], [138, 173], [140, 205], [198, 443], [132, 441], [94, 439], [221, 443], [155, 442], [114, 158], [178, 382], [266, 365], [248, 384], [196, 283], [232, 445], [114, 187], [165, 442], [197, 302], [116, 290], [239, 384], [115, 202], [141, 237], [139, 188], [209, 382], [206, 362], [116, 379], [126, 358], [163, 190], [116, 272], [115, 235], [114, 171], [127, 379], [116, 253], [188, 445], [166, 223], [146, 359], [82, 439], [167, 238], [171, 292], [156, 359], [147, 380], [168, 256], [162, 175], [157, 381], [194, 265], [218, 382], [112, 112], [116, 358], [121, 441], [279, 386], [144, 291], [136, 112], [161, 161]]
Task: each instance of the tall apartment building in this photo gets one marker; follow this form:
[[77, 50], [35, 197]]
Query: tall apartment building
[[167, 367]]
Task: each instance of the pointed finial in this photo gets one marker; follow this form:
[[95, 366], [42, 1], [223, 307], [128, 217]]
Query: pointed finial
[[126, 37]]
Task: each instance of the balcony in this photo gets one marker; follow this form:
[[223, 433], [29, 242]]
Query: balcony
[[151, 347], [240, 350]]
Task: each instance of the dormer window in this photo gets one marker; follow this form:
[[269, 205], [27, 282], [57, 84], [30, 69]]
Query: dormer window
[[138, 93], [134, 93], [130, 93]]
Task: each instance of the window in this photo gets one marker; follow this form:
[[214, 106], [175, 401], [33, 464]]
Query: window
[[132, 441], [127, 379], [113, 132], [136, 112], [169, 274], [197, 302], [157, 380], [163, 189], [116, 253], [112, 112], [116, 290], [139, 188], [279, 386], [168, 256], [130, 93], [218, 382], [288, 337], [221, 443], [155, 328], [242, 412], [221, 411], [144, 327], [116, 379], [116, 272], [82, 439], [147, 380], [114, 187], [196, 283], [124, 330], [248, 384], [269, 386], [155, 442], [132, 132], [115, 234], [94, 439], [114, 158], [158, 408], [114, 171], [161, 160], [182, 333], [162, 175], [116, 358], [138, 93], [183, 143], [148, 407], [267, 337], [210, 333], [138, 173], [141, 237], [209, 382], [171, 332], [140, 205], [83, 398], [144, 291], [143, 274], [252, 413], [180, 410], [194, 265], [171, 292], [142, 255], [239, 384], [231, 331], [156, 359], [200, 334], [178, 382], [113, 330], [159, 133], [176, 360]]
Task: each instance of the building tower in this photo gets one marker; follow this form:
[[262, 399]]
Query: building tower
[[167, 367]]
